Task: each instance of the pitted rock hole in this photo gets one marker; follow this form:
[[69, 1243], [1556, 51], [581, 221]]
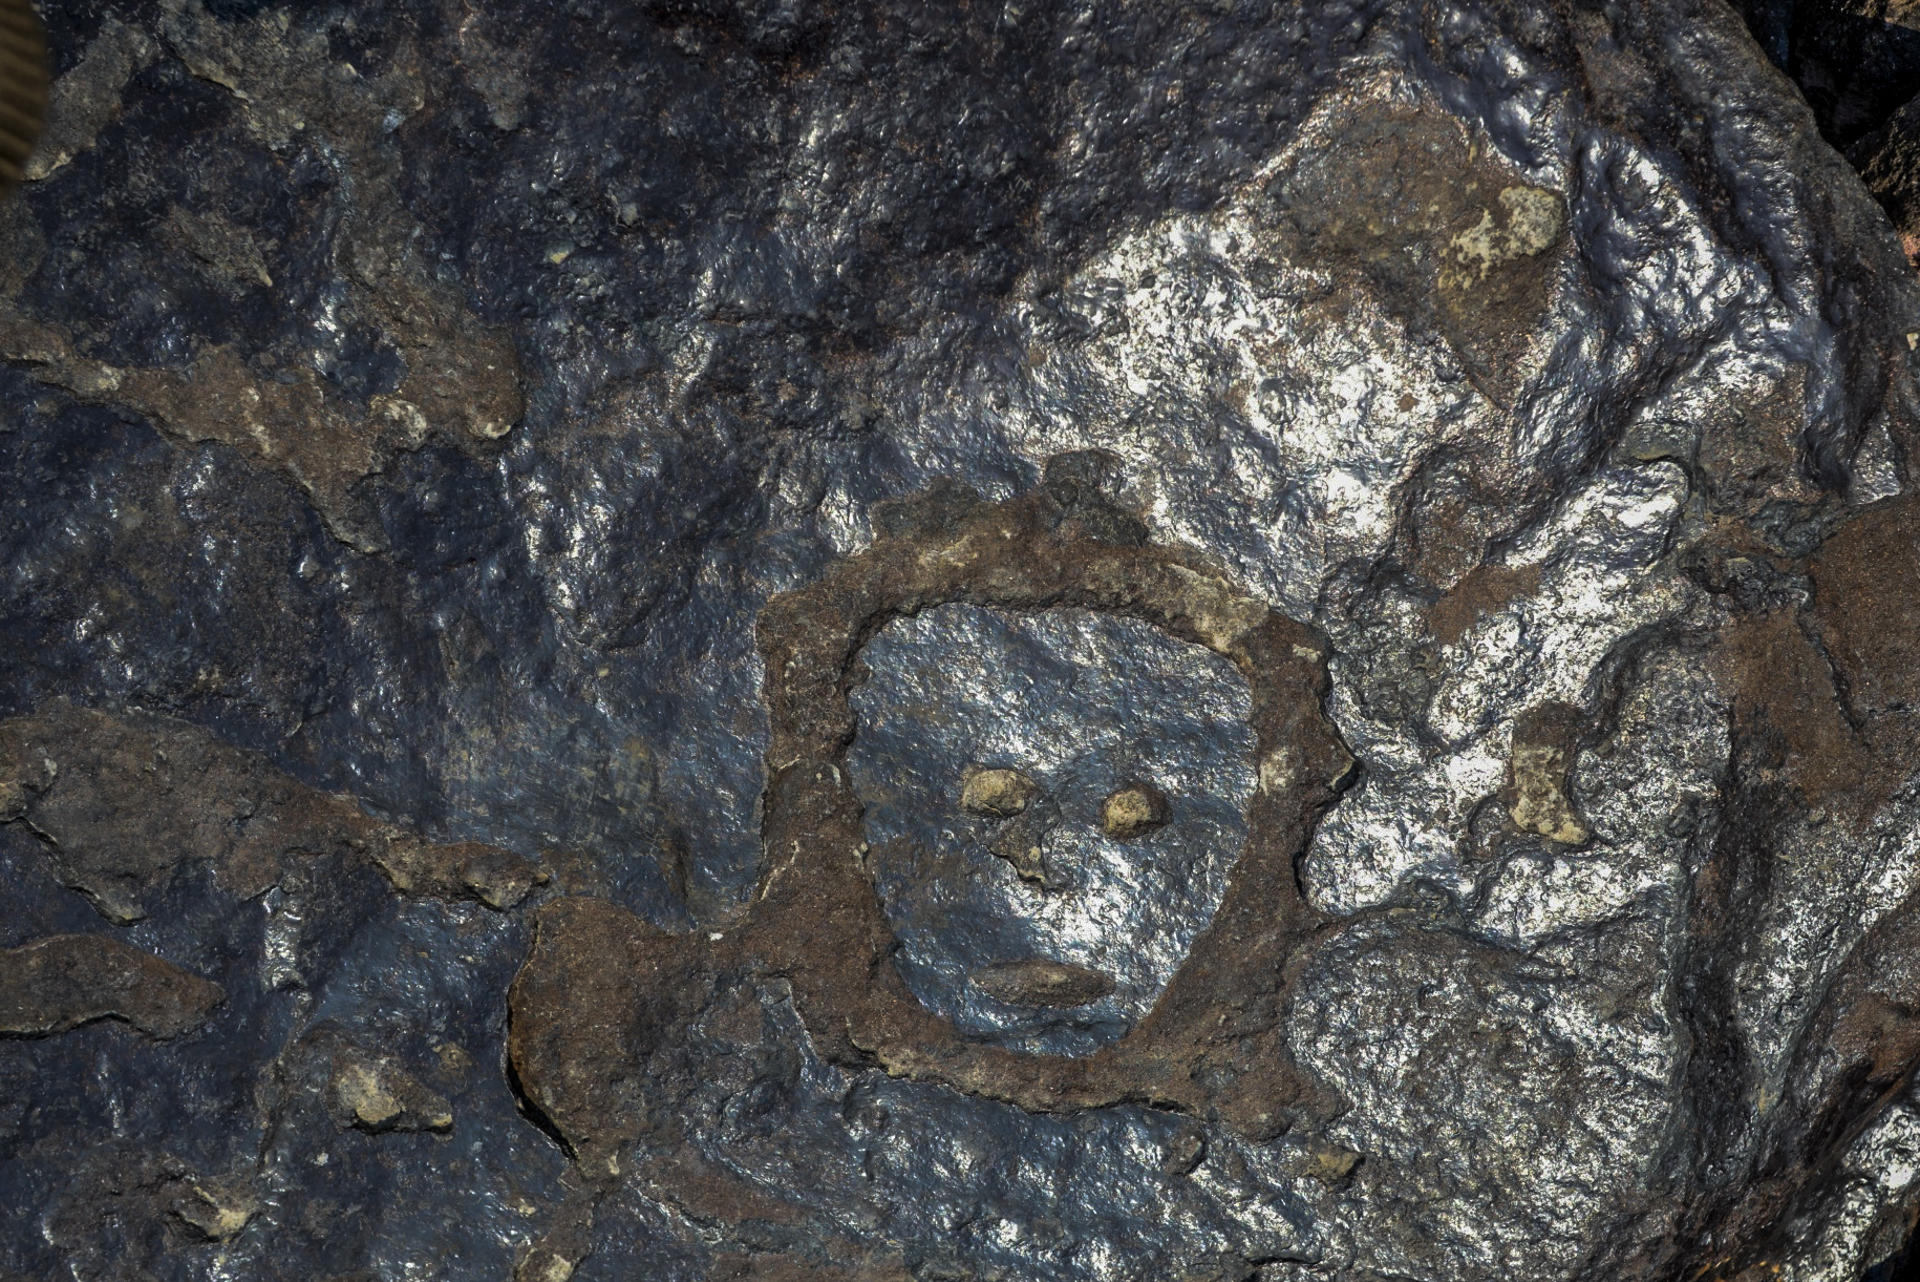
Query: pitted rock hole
[[1082, 703]]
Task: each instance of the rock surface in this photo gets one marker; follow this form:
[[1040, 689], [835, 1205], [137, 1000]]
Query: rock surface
[[64, 981], [121, 801], [1858, 61], [526, 523]]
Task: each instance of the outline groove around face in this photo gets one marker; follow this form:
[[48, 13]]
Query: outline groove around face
[[1214, 1043]]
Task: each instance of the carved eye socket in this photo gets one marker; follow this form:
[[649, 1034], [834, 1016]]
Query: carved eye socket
[[996, 792], [1133, 810]]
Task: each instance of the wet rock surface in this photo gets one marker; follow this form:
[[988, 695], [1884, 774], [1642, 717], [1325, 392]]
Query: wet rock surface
[[735, 640], [63, 981]]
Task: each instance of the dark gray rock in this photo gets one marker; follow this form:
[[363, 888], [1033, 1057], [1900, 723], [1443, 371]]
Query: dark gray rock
[[1454, 456]]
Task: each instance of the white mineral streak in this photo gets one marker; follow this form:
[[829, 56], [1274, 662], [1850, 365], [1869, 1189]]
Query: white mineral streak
[[1278, 441], [280, 941], [1409, 819]]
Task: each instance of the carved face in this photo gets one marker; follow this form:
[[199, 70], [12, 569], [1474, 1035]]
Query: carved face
[[1211, 1041], [1054, 801]]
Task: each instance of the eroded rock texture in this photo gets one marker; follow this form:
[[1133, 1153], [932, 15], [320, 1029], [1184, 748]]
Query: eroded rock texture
[[1038, 641]]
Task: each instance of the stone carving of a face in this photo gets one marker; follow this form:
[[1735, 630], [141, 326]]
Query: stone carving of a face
[[1054, 801], [1217, 953]]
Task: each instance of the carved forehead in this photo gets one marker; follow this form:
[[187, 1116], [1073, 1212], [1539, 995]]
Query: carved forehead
[[1042, 689]]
